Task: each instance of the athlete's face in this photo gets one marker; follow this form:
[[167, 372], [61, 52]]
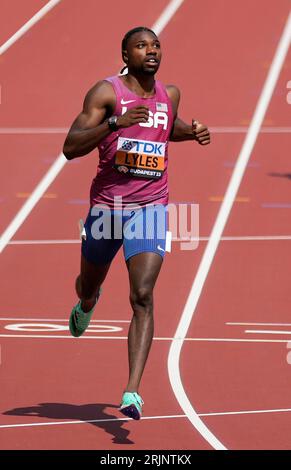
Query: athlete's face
[[143, 53]]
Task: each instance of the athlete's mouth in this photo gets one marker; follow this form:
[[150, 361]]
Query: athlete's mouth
[[152, 61]]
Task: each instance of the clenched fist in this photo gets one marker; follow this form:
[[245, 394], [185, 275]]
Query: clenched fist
[[133, 116], [200, 132]]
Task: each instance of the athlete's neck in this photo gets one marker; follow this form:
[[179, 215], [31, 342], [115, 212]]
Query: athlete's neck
[[141, 85]]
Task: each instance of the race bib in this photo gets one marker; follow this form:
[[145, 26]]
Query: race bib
[[140, 158]]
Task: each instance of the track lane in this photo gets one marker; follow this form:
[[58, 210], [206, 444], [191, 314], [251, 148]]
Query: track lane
[[186, 262], [14, 14], [50, 400], [247, 282], [52, 86], [26, 161], [62, 58]]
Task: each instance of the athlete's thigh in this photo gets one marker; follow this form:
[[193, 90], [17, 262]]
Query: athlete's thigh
[[97, 253], [143, 270], [146, 231], [99, 246]]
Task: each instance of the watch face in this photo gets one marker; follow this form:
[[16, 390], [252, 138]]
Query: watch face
[[112, 122]]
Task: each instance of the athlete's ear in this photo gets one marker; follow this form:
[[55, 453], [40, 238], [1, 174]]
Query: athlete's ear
[[125, 56]]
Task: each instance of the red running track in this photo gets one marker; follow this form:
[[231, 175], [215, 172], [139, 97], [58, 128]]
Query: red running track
[[65, 391]]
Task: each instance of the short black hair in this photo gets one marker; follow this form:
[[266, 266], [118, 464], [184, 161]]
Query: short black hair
[[129, 33]]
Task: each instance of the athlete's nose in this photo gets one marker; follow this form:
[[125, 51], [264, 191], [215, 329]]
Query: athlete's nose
[[151, 50]]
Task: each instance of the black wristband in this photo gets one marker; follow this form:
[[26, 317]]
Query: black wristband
[[112, 123]]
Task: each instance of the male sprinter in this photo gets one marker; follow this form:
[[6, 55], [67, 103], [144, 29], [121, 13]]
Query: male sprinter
[[130, 118]]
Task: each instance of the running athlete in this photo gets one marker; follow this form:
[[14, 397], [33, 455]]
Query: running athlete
[[130, 118]]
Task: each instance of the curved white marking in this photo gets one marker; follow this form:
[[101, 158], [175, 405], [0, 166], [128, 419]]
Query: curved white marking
[[52, 327], [35, 327], [209, 253]]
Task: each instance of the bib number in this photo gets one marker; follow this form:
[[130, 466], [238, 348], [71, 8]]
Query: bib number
[[143, 159]]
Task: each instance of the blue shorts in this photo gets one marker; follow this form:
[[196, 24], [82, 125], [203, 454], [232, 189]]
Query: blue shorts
[[141, 230]]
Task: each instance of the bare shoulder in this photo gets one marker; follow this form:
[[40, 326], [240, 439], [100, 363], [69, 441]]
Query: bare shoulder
[[100, 95], [173, 92], [174, 95]]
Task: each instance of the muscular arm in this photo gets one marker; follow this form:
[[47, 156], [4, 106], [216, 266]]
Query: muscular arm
[[89, 127], [182, 131]]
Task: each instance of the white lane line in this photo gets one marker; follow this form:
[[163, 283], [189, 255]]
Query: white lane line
[[269, 332], [244, 130], [144, 418], [58, 320], [234, 340], [209, 253], [78, 241], [166, 16], [108, 420], [239, 238], [34, 130], [32, 201], [258, 324], [29, 24], [45, 242], [158, 26], [66, 337], [214, 130], [57, 166], [247, 412], [210, 340]]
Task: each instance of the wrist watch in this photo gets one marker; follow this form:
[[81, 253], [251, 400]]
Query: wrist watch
[[112, 123]]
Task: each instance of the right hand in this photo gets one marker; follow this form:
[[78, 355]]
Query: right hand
[[133, 116]]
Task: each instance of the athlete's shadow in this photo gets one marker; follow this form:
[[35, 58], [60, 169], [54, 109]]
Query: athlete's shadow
[[280, 175], [93, 412]]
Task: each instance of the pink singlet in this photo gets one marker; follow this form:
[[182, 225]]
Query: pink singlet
[[133, 161]]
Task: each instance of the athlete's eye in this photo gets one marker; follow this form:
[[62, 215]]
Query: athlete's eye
[[140, 45]]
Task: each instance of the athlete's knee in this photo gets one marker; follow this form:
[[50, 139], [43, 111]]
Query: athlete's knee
[[141, 298]]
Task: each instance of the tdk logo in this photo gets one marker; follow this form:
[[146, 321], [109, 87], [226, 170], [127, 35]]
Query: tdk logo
[[141, 146], [159, 118]]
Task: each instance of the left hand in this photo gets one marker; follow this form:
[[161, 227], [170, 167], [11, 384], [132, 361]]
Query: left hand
[[200, 132]]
